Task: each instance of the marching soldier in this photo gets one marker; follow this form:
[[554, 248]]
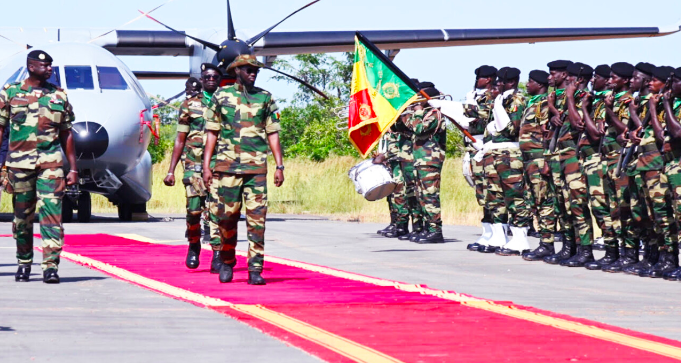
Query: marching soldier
[[241, 121], [189, 145], [40, 117]]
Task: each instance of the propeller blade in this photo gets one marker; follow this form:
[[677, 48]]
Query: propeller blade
[[130, 22], [255, 39], [231, 34], [210, 45], [315, 89]]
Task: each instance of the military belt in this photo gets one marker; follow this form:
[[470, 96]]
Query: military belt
[[529, 156], [607, 149], [648, 148], [195, 168]]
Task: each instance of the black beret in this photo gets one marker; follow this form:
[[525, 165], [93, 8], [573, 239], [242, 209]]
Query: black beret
[[580, 70], [39, 55], [415, 80], [193, 82], [485, 71], [558, 65], [424, 85], [206, 66], [431, 91], [603, 70], [677, 73], [623, 69], [508, 74], [540, 77], [645, 67], [663, 73]]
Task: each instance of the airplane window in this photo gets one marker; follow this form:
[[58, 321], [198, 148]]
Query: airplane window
[[55, 78], [79, 77], [111, 78], [15, 77]]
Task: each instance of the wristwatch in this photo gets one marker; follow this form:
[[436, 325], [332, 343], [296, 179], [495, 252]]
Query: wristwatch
[[280, 167]]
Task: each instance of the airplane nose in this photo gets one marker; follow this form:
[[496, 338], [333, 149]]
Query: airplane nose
[[91, 140]]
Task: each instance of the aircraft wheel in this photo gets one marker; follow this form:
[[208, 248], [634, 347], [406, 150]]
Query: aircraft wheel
[[66, 210], [84, 207], [125, 212]]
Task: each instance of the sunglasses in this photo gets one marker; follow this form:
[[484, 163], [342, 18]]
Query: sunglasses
[[210, 76], [251, 70]]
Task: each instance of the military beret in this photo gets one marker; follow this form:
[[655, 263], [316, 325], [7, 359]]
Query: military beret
[[645, 67], [508, 74], [677, 73], [623, 69], [415, 81], [207, 66], [558, 65], [244, 60], [663, 73], [580, 70], [193, 82], [603, 70], [431, 91], [39, 55], [485, 71], [424, 85], [540, 77]]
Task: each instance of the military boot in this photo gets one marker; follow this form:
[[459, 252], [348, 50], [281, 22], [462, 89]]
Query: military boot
[[401, 229], [518, 243], [583, 256], [497, 240], [484, 238], [599, 245], [544, 250], [193, 252], [568, 250], [215, 263], [416, 237], [533, 232], [254, 278], [612, 254], [627, 259], [674, 275], [431, 237], [226, 273], [390, 227], [650, 257], [50, 276], [416, 229], [667, 262], [23, 272]]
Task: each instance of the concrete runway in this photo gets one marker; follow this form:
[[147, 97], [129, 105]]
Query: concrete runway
[[93, 317]]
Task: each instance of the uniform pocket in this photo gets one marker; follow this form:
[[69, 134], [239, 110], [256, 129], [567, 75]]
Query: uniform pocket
[[19, 109]]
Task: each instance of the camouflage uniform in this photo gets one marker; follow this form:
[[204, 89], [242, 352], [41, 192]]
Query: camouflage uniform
[[673, 168], [481, 114], [35, 117], [531, 140], [243, 120], [400, 154], [429, 143], [556, 185]]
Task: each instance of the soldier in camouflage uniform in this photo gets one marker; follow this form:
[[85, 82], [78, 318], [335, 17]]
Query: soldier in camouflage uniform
[[429, 143], [389, 140], [40, 117], [532, 129], [241, 120], [189, 145]]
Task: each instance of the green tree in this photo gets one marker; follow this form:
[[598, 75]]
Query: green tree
[[168, 115]]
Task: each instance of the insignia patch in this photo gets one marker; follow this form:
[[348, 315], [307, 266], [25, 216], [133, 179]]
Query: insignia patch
[[390, 90], [41, 56], [55, 100], [364, 112]]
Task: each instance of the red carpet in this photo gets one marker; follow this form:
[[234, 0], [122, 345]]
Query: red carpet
[[407, 326]]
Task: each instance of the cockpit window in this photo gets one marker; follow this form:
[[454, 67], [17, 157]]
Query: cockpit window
[[55, 78], [111, 78], [15, 77], [79, 77]]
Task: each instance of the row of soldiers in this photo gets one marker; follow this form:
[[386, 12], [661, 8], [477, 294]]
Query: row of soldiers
[[565, 155], [415, 153]]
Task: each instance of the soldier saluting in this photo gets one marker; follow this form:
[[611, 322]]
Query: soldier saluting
[[40, 116]]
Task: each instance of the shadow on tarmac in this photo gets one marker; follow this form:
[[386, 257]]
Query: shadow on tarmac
[[6, 328]]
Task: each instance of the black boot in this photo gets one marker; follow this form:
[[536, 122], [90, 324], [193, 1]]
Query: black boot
[[431, 237], [23, 272], [226, 273], [559, 237], [416, 228], [667, 262], [401, 229], [254, 278], [193, 253], [583, 256], [650, 257], [215, 263], [612, 254], [50, 276], [568, 250], [674, 275], [390, 227], [533, 232], [418, 236], [544, 250]]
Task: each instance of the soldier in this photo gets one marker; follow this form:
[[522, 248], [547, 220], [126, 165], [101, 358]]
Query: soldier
[[189, 145], [388, 139], [478, 107], [241, 120], [40, 117], [532, 129], [429, 143]]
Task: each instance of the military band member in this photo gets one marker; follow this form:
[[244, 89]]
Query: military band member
[[40, 116]]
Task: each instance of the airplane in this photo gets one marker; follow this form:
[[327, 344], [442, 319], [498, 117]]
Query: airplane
[[112, 108]]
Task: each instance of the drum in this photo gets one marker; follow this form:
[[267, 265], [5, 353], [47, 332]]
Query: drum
[[371, 180]]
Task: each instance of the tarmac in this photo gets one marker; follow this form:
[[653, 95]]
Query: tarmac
[[91, 316]]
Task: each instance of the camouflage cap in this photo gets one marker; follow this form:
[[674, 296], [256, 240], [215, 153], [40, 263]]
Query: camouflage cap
[[244, 60]]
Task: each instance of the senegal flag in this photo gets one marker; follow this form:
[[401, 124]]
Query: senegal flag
[[380, 93]]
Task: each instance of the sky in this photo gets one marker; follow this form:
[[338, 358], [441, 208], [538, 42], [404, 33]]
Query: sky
[[451, 69]]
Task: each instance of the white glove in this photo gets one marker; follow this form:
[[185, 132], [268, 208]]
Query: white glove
[[492, 128], [470, 98], [466, 164], [453, 110], [501, 118]]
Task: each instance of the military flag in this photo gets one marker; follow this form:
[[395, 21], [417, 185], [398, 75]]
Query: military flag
[[380, 92]]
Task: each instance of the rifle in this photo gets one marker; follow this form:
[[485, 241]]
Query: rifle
[[556, 134], [625, 159]]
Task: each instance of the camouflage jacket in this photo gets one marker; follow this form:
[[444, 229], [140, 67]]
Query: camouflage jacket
[[669, 144], [192, 123], [400, 146], [621, 109], [648, 154], [243, 120], [561, 105], [429, 140], [534, 120], [36, 117], [515, 108], [481, 115], [568, 136], [598, 116]]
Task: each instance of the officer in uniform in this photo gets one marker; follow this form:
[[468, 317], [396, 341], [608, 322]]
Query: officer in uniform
[[40, 116], [241, 120], [189, 146]]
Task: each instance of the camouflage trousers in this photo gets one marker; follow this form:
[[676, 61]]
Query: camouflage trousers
[[673, 171], [618, 191], [505, 186], [576, 198], [559, 193], [594, 170], [404, 201], [44, 189], [228, 191], [196, 203], [428, 186], [540, 198], [478, 169], [655, 188]]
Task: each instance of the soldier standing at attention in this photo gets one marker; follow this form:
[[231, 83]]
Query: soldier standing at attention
[[241, 120], [189, 145], [40, 117]]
